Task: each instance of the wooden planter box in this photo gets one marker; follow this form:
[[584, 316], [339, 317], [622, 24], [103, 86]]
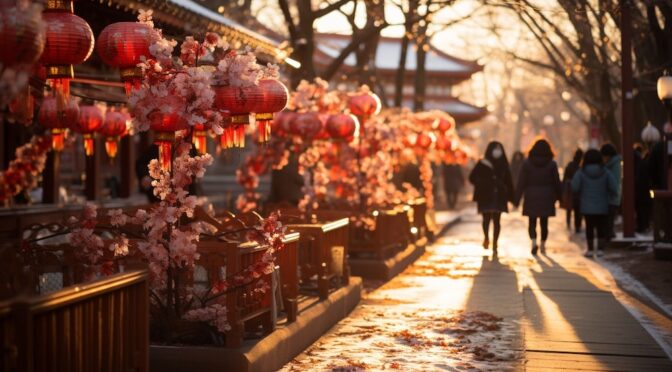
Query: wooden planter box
[[99, 326], [323, 254], [246, 309]]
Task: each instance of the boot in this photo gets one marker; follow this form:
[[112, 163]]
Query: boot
[[486, 243], [542, 247], [534, 248]]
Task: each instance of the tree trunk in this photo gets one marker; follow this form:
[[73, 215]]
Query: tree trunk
[[399, 81], [420, 76]]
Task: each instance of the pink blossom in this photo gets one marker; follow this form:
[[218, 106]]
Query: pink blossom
[[117, 217]]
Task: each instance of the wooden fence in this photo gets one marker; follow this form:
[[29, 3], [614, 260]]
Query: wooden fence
[[100, 326]]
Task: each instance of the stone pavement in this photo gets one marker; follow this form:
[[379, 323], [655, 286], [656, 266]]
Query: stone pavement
[[460, 308]]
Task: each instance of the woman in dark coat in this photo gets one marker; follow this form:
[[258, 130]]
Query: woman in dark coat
[[539, 184], [570, 200], [493, 188]]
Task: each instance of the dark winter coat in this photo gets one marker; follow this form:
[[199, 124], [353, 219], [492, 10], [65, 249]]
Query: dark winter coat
[[539, 184], [613, 165], [595, 185], [570, 199], [492, 189]]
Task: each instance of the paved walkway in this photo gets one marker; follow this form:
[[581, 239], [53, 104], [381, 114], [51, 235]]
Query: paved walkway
[[460, 308]]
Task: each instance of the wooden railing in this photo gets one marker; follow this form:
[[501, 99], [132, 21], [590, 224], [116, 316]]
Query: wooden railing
[[247, 308], [288, 264], [100, 326], [323, 254]]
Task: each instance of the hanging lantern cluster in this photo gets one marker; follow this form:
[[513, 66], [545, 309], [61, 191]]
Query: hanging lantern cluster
[[342, 126], [57, 120], [306, 125], [165, 123], [69, 41], [275, 100], [282, 122], [89, 122], [364, 105], [114, 127], [122, 45], [264, 100]]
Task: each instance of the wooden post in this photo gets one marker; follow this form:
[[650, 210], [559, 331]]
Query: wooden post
[[127, 171], [628, 203], [51, 178], [92, 186]]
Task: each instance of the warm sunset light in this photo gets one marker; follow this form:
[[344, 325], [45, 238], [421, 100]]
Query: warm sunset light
[[335, 185]]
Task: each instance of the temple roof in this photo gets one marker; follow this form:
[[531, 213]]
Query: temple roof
[[193, 17], [387, 56]]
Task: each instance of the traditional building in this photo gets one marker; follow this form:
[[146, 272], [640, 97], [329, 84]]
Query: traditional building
[[443, 73]]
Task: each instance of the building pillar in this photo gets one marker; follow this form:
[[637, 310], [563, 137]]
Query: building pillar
[[51, 178], [127, 171], [628, 202], [93, 184]]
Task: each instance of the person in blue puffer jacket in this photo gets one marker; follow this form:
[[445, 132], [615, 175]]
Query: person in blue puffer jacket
[[612, 161], [595, 186]]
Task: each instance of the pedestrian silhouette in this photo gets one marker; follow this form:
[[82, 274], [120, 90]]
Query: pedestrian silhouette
[[493, 188], [539, 185]]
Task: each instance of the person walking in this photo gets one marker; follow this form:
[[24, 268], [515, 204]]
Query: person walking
[[453, 181], [595, 186], [570, 201], [612, 161], [493, 188], [517, 161], [539, 185]]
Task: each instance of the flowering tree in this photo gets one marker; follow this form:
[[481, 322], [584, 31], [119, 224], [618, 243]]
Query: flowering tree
[[23, 172], [166, 236]]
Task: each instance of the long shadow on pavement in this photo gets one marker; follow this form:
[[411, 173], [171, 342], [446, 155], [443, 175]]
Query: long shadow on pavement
[[572, 324]]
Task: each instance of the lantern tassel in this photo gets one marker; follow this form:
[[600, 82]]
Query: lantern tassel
[[199, 141], [165, 142], [88, 144], [57, 139], [240, 130], [111, 147], [130, 85]]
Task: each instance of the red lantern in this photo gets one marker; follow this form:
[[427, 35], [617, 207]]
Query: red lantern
[[69, 42], [443, 125], [122, 45], [90, 120], [275, 100], [423, 141], [364, 105], [444, 143], [282, 122], [323, 134], [306, 125], [114, 126], [342, 126], [240, 102], [165, 123], [21, 41], [57, 121]]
